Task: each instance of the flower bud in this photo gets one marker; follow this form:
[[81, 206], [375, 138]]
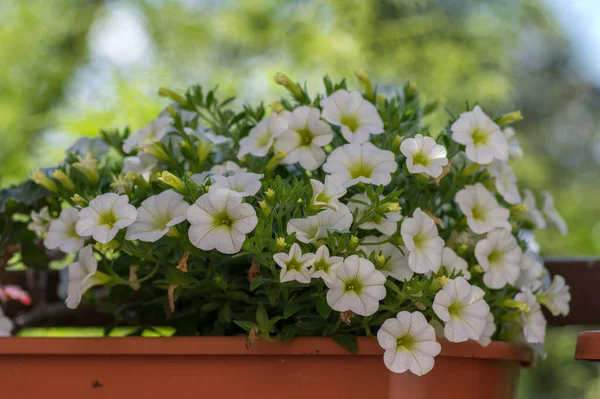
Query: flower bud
[[172, 180], [204, 149], [79, 201], [270, 194], [389, 207], [433, 105], [114, 244], [509, 118], [265, 207], [353, 244], [283, 80], [40, 178], [274, 161], [365, 82], [396, 144], [65, 180], [277, 107], [511, 303], [477, 269], [280, 243], [164, 92], [89, 167], [518, 208], [379, 261], [439, 282], [157, 149], [472, 168]]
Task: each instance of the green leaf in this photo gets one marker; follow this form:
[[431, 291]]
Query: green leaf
[[210, 306], [323, 308], [26, 193], [262, 318], [274, 320], [33, 256], [288, 332], [257, 282], [290, 308], [392, 286], [238, 295], [348, 341], [225, 313], [246, 325]]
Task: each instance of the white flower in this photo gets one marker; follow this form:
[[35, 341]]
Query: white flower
[[552, 214], [490, 328], [533, 214], [201, 178], [325, 266], [454, 263], [534, 322], [409, 343], [483, 212], [424, 155], [304, 137], [105, 216], [314, 227], [514, 148], [357, 117], [463, 310], [482, 137], [506, 182], [246, 184], [499, 255], [227, 169], [531, 272], [261, 137], [157, 215], [141, 164], [394, 259], [386, 224], [219, 220], [326, 195], [556, 297], [422, 240], [206, 134], [62, 233], [355, 163], [155, 131], [358, 287], [6, 325], [83, 275], [40, 221], [294, 266]]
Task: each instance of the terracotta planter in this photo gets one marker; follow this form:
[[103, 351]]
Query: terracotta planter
[[221, 367], [588, 346]]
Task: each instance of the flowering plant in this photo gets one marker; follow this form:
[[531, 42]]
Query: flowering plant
[[338, 215]]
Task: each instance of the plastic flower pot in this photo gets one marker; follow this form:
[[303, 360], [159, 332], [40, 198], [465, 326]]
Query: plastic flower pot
[[588, 346], [222, 367]]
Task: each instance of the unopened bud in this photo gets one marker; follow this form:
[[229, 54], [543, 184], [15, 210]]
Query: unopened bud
[[79, 201], [472, 168], [353, 244], [518, 208], [65, 180], [509, 118], [280, 243], [204, 149], [439, 282], [283, 80], [396, 143], [270, 194], [265, 207], [513, 304], [89, 167], [274, 161], [164, 92], [365, 82], [477, 269], [114, 244], [277, 107], [157, 149], [40, 178], [172, 180]]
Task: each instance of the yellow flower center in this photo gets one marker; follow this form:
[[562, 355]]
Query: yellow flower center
[[306, 137], [354, 285], [420, 158], [480, 138], [109, 218], [494, 257], [294, 264], [405, 342], [455, 310], [321, 265], [478, 212], [350, 122]]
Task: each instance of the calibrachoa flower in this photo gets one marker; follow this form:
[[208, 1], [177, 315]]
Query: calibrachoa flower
[[552, 214], [261, 137], [533, 213], [304, 137], [499, 255], [424, 155], [505, 181], [357, 117], [157, 216], [246, 184], [483, 212], [314, 227], [325, 266], [326, 195], [83, 275], [556, 298], [394, 259], [40, 221], [141, 164], [105, 216], [531, 272], [409, 343], [62, 233], [482, 137], [358, 287], [294, 266], [208, 135], [514, 147], [227, 169], [454, 263], [490, 328], [360, 163], [386, 224], [155, 131], [219, 220], [534, 322], [461, 307], [422, 240]]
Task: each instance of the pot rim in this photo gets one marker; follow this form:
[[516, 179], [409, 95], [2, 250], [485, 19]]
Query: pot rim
[[588, 346], [228, 346]]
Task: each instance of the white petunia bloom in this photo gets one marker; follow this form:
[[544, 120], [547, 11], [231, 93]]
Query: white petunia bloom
[[395, 258], [219, 220], [409, 343], [314, 227], [294, 266], [105, 216], [505, 181], [261, 137], [454, 263], [83, 275], [208, 135], [490, 328], [157, 215], [531, 272], [556, 298], [246, 184], [62, 233], [533, 213], [141, 164], [357, 117], [358, 287], [326, 195], [351, 164], [40, 221], [325, 266], [6, 325], [463, 310], [201, 179], [422, 240], [482, 137], [483, 212], [534, 322], [155, 131], [227, 169], [424, 155], [552, 214], [499, 255], [514, 147], [386, 224], [304, 137]]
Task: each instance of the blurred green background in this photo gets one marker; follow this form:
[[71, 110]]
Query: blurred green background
[[69, 68]]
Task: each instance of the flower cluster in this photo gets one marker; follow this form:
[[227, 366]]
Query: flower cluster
[[338, 215]]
